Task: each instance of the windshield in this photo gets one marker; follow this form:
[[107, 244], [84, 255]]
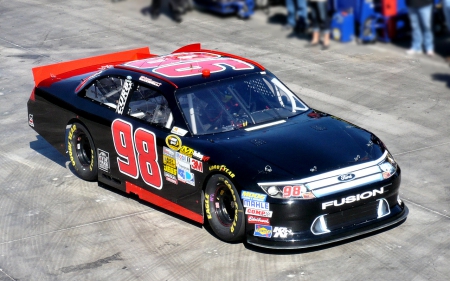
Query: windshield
[[237, 102]]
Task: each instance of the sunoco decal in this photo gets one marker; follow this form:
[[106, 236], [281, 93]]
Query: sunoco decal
[[263, 231]]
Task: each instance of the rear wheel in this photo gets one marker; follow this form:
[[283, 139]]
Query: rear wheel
[[224, 209], [82, 152]]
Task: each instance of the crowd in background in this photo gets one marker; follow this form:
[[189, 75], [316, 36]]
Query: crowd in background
[[313, 17]]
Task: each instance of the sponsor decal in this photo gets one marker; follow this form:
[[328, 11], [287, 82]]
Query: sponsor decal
[[282, 232], [149, 81], [197, 155], [258, 220], [256, 204], [178, 131], [186, 151], [294, 191], [183, 161], [260, 213], [126, 88], [222, 168], [253, 196], [169, 152], [30, 120], [186, 176], [169, 161], [346, 177], [171, 178], [170, 167], [103, 160], [173, 142], [170, 170], [263, 231], [353, 198], [196, 165]]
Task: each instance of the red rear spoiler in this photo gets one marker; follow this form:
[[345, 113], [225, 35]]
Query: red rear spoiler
[[75, 67], [197, 47]]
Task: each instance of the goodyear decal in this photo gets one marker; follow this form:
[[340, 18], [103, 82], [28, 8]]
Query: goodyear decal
[[222, 168], [253, 196], [263, 231], [69, 146]]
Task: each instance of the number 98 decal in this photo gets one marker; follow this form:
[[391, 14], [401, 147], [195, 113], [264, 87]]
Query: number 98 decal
[[137, 153]]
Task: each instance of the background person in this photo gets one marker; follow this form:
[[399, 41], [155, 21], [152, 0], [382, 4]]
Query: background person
[[320, 23], [420, 12], [297, 14]]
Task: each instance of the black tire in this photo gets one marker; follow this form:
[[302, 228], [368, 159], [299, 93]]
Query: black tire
[[82, 154], [223, 208]]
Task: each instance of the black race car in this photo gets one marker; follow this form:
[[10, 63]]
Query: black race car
[[217, 138]]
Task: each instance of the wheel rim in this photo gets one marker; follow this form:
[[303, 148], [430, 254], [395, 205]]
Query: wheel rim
[[224, 205], [83, 149]]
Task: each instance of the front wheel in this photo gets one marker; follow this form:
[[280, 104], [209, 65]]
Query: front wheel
[[82, 152], [224, 209]]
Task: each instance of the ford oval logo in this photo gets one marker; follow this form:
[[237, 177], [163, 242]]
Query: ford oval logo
[[346, 177]]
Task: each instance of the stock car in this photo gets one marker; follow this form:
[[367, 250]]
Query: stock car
[[220, 140]]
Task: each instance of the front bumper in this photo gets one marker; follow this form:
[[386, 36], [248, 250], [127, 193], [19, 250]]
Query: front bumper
[[300, 240]]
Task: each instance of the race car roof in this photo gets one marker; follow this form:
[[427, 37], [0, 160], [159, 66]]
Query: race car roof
[[186, 66], [192, 65]]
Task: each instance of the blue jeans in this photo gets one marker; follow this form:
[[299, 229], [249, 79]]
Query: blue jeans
[[446, 9], [422, 34], [298, 9]]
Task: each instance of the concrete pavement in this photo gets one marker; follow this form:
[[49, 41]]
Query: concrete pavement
[[54, 226]]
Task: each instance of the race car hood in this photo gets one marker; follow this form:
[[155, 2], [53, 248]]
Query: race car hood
[[303, 146]]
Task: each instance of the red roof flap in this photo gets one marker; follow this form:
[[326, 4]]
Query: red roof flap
[[233, 56], [195, 47], [42, 73]]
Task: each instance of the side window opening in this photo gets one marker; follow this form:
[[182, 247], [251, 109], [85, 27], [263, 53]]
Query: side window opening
[[150, 105], [105, 91]]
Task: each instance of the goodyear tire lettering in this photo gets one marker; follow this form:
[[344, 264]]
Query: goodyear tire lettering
[[225, 216], [82, 153]]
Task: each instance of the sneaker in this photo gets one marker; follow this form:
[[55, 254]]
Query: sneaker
[[430, 53], [412, 52]]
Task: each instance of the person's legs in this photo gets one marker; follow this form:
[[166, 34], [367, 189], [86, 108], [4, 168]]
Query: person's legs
[[291, 14], [324, 23], [446, 9], [314, 23], [425, 14], [302, 12], [416, 45], [155, 8]]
